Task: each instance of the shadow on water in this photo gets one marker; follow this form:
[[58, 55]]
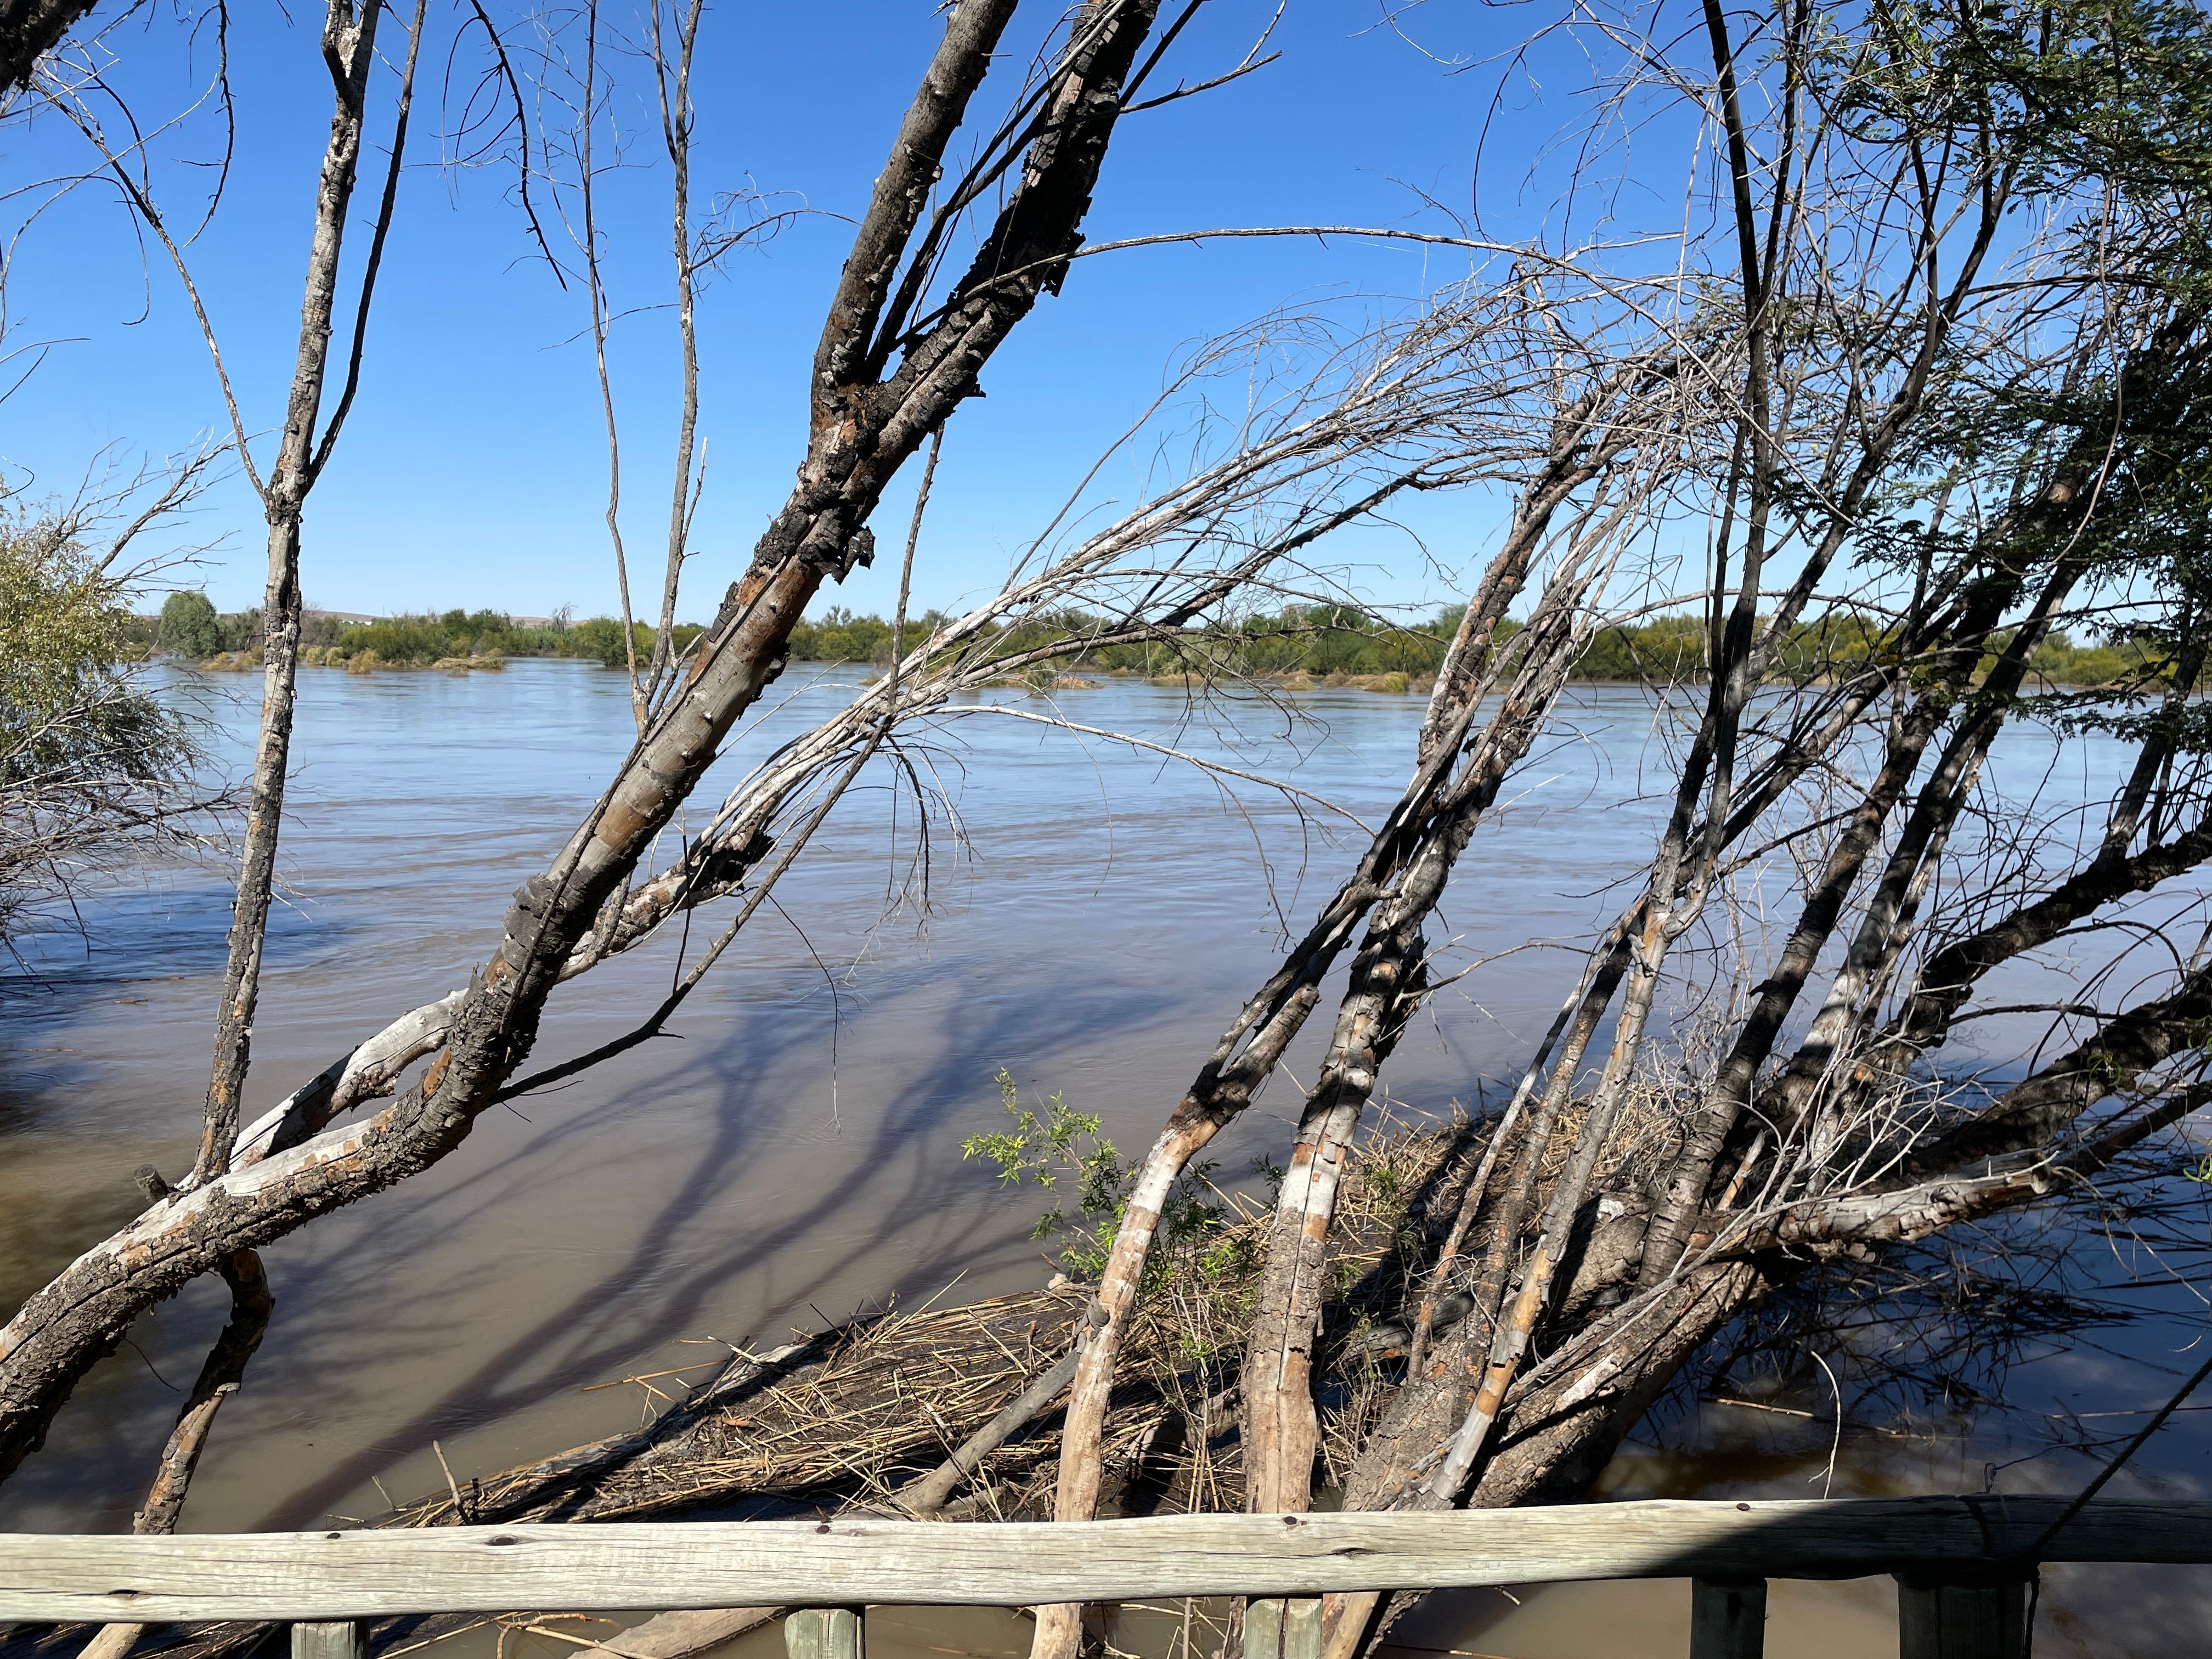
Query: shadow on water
[[882, 1201]]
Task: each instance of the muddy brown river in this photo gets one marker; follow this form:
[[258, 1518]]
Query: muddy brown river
[[792, 1153]]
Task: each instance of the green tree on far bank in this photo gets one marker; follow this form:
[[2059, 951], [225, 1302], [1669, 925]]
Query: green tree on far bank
[[189, 627]]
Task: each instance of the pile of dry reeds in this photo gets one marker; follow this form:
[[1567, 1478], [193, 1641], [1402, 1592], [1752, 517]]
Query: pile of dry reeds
[[846, 1418]]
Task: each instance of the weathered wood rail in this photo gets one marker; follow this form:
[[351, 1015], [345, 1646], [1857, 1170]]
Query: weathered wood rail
[[1963, 1566]]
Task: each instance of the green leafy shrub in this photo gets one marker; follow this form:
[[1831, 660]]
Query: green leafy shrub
[[601, 639], [93, 770], [189, 627], [242, 632], [1063, 1153]]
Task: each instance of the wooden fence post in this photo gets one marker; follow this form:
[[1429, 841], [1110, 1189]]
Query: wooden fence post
[[1276, 1627], [340, 1641], [1959, 1613], [1728, 1618], [822, 1633]]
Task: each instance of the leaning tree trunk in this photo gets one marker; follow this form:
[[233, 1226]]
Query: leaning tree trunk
[[1482, 1414], [862, 431], [1389, 981], [1587, 441], [1592, 433], [1282, 1431]]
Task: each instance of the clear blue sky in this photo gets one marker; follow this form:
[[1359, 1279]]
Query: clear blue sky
[[472, 472]]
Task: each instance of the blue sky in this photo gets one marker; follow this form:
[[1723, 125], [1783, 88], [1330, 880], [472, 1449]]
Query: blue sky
[[472, 472]]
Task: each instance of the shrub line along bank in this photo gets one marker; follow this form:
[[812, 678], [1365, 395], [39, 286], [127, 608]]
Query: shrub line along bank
[[1301, 645]]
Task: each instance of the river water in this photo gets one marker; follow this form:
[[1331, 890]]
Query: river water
[[792, 1153]]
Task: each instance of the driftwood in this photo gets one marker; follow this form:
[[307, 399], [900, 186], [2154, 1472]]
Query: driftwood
[[851, 1421], [928, 1495], [870, 1412], [833, 1416]]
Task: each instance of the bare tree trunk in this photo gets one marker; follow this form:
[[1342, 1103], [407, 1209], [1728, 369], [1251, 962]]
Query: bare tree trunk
[[861, 434], [1282, 1431], [1949, 977], [1511, 1220], [1281, 1427], [350, 49], [1267, 1022], [1603, 1370], [676, 118], [250, 1306], [1590, 436], [2007, 563]]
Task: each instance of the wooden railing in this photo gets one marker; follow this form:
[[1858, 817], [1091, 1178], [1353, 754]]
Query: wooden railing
[[1962, 1564]]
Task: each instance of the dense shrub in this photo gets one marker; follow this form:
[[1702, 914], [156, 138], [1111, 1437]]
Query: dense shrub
[[1314, 640], [189, 626], [92, 768], [601, 638], [242, 631], [408, 641], [841, 636]]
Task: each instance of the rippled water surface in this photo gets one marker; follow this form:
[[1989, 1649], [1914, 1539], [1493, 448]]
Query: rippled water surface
[[791, 1150]]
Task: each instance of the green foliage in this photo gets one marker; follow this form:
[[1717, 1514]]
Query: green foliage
[[1319, 640], [242, 631], [1673, 649], [414, 641], [191, 630], [1063, 1153], [841, 636], [1665, 649], [1322, 640], [484, 636], [63, 628], [89, 760], [189, 626], [601, 638], [2116, 92], [1308, 639]]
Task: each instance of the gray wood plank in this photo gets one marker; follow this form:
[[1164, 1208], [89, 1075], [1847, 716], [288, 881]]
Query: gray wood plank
[[1727, 1618], [1277, 1627], [855, 1560], [1263, 1627], [822, 1633], [1979, 1620], [341, 1640]]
